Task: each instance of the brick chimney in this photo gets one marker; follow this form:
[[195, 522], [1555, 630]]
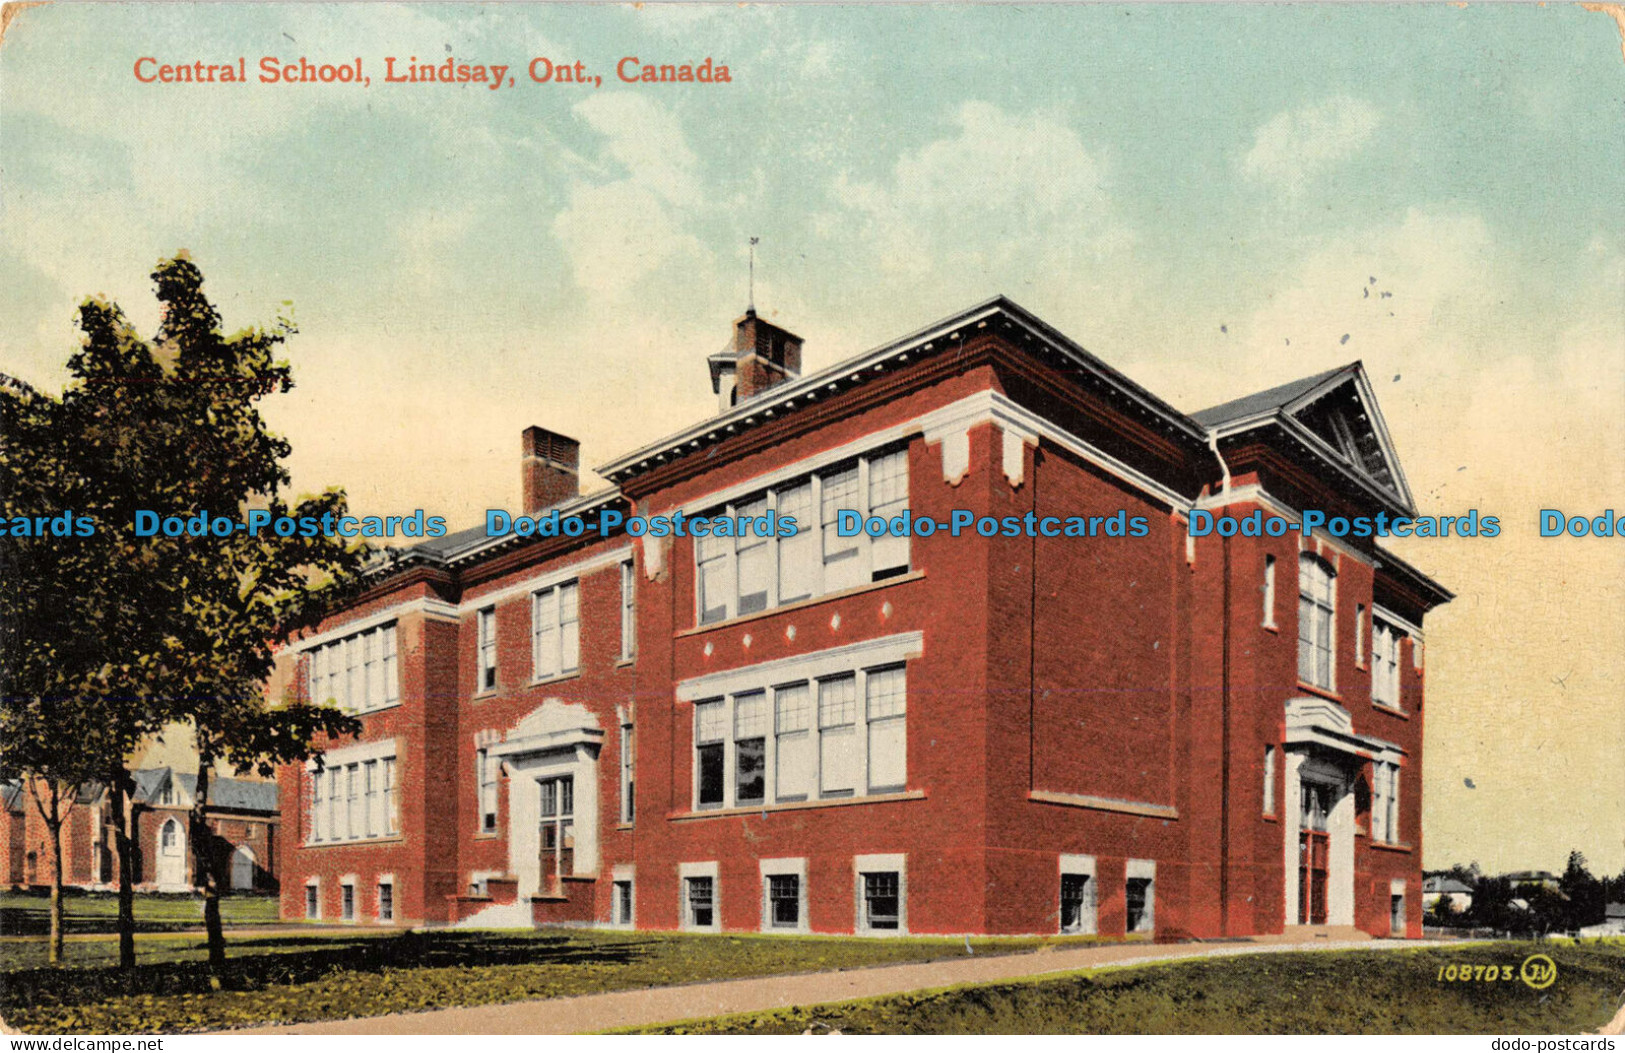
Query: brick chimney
[[760, 356], [549, 465]]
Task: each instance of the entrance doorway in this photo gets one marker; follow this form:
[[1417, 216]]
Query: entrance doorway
[[556, 853], [1314, 851]]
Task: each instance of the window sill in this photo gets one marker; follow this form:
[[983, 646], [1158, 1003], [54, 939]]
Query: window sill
[[1105, 804], [1270, 627], [1392, 846], [796, 806], [574, 674], [1272, 818], [488, 835], [353, 842], [856, 590], [1382, 707], [624, 663], [1321, 692], [624, 826], [480, 696]]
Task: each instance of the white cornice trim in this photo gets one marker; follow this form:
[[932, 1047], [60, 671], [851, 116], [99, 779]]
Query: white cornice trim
[[1410, 627]]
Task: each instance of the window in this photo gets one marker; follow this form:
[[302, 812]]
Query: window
[[629, 613], [1316, 609], [169, 838], [391, 823], [623, 903], [373, 809], [882, 900], [485, 768], [386, 901], [555, 631], [1269, 592], [837, 730], [1359, 634], [816, 740], [1385, 802], [487, 654], [793, 742], [629, 773], [1140, 904], [888, 729], [1269, 780], [355, 800], [356, 673], [313, 900], [745, 574], [750, 747], [347, 901], [1077, 903], [710, 729], [751, 558], [1385, 663], [168, 796], [784, 901], [701, 893]]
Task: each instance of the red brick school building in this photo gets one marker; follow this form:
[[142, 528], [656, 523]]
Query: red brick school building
[[1180, 736]]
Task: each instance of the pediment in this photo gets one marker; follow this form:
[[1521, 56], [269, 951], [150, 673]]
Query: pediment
[[1342, 414]]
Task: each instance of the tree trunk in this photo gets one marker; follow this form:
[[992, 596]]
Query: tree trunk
[[126, 869], [205, 869], [54, 818]]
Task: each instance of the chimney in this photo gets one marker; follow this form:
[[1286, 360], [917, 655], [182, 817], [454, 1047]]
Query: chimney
[[549, 465], [760, 356]]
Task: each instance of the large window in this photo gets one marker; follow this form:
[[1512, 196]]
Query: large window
[[1269, 780], [1077, 903], [1317, 606], [882, 901], [629, 613], [784, 901], [840, 735], [629, 773], [1385, 663], [555, 631], [354, 801], [743, 575], [1385, 802], [485, 773], [486, 657], [702, 902], [356, 673]]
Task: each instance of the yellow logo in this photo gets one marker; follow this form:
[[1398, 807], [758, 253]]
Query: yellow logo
[[1538, 971]]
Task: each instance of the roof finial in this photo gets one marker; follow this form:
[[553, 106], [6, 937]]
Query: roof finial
[[751, 303]]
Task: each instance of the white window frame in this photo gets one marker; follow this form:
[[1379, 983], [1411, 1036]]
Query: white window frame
[[555, 639], [629, 612], [348, 811], [686, 871], [623, 874], [1269, 592], [795, 867], [1270, 763], [629, 773], [724, 551], [485, 650], [1321, 611], [862, 732], [1386, 678], [1385, 797], [381, 882], [359, 672], [1089, 919], [349, 905], [487, 769], [879, 864], [313, 897]]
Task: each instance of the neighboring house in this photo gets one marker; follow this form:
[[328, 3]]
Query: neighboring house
[[1129, 731], [1613, 923], [1457, 892], [242, 818]]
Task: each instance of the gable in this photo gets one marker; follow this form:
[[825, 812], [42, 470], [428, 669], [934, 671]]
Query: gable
[[1342, 413]]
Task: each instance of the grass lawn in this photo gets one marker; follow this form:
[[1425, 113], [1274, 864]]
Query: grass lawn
[[1338, 992], [28, 913], [311, 976]]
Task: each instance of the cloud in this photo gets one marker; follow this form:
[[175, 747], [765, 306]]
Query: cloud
[[1295, 146], [618, 230]]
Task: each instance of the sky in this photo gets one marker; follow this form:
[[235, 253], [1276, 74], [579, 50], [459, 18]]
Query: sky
[[1213, 199]]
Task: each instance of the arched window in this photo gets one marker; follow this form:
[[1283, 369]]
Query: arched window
[[169, 838], [1317, 605]]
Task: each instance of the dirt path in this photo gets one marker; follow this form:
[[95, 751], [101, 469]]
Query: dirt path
[[600, 1012]]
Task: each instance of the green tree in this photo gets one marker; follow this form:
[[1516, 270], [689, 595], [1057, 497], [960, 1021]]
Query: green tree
[[183, 628]]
